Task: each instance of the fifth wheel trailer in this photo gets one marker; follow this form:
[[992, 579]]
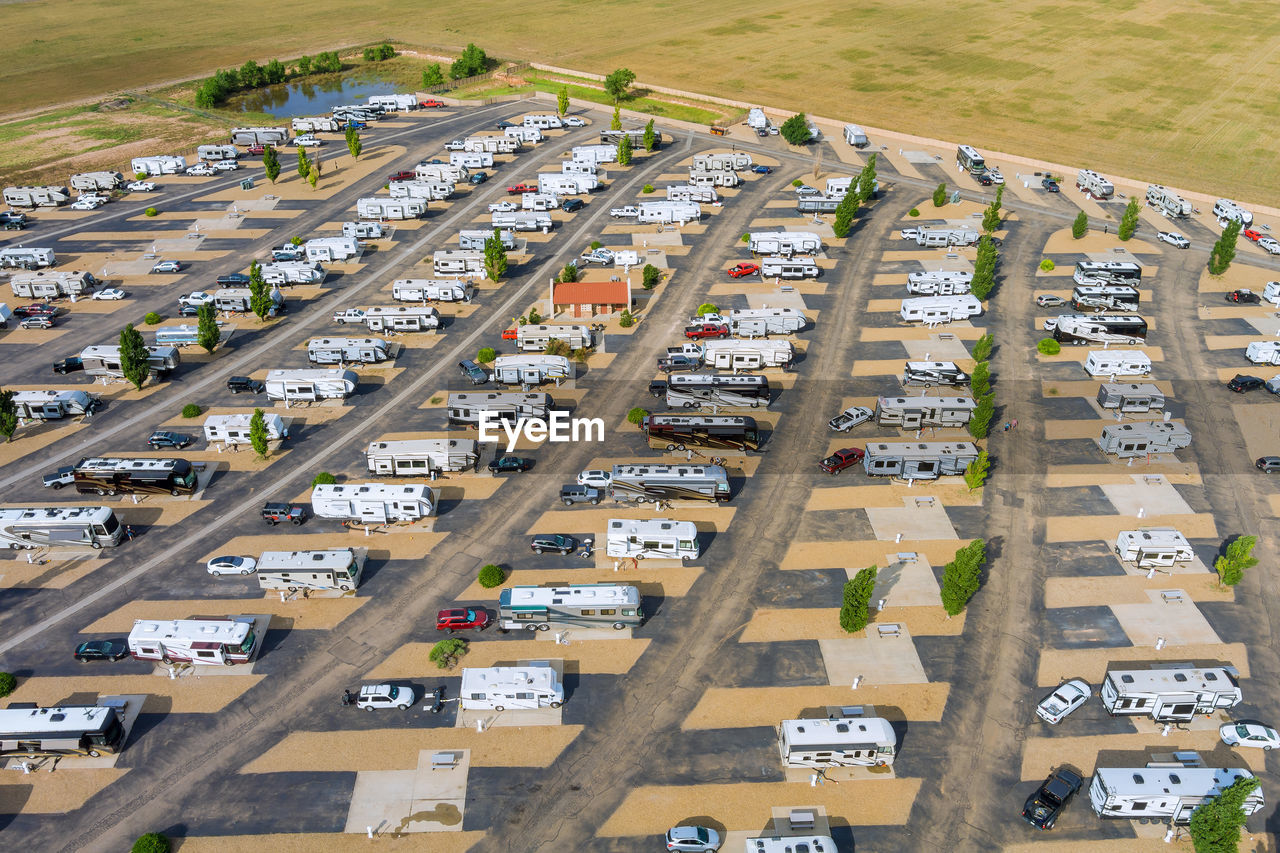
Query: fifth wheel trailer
[[1160, 792], [93, 181], [733, 160], [431, 289], [234, 429], [927, 460], [1169, 694], [1167, 202], [939, 283], [163, 165], [401, 318], [1130, 396], [917, 412], [347, 350], [46, 284], [530, 369], [332, 248], [374, 502], [420, 457], [784, 243], [475, 240], [932, 310], [36, 196], [766, 321], [729, 354], [1091, 183], [259, 135], [391, 208], [466, 408], [26, 258], [310, 384], [53, 405]]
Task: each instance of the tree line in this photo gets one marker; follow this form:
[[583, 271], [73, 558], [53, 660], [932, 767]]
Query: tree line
[[224, 83]]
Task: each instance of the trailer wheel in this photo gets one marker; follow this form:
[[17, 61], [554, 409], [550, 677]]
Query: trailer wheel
[[531, 628], [93, 753], [670, 447], [344, 587], [173, 492], [680, 448], [691, 405], [95, 544], [100, 491], [545, 626], [618, 626], [292, 589], [556, 704], [499, 708], [640, 499], [166, 660], [13, 546]]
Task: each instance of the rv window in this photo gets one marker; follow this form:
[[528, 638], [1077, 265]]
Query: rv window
[[1137, 807], [1178, 676], [1137, 778], [608, 611], [524, 695], [1210, 676], [208, 654], [480, 696], [686, 543], [588, 611], [1127, 679], [524, 616]]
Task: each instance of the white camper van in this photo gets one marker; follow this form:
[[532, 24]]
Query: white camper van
[[525, 687]]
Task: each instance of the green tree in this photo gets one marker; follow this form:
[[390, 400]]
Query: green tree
[[562, 100], [304, 164], [962, 576], [617, 84], [252, 75], [616, 123], [324, 478], [624, 151], [707, 308], [491, 576], [354, 145], [133, 356], [191, 410], [8, 683], [1129, 220], [867, 180], [486, 355], [152, 842], [446, 653], [982, 347], [976, 472], [313, 176], [1048, 346], [1215, 825], [980, 420], [980, 379], [258, 433], [1080, 227], [650, 276], [1236, 557], [8, 415], [940, 195], [845, 212], [275, 71], [984, 267], [304, 66], [1224, 250], [796, 130], [471, 62], [637, 415], [570, 273], [207, 333], [495, 257], [379, 53], [328, 62], [991, 217], [650, 136], [271, 163], [432, 75], [260, 300], [854, 614]]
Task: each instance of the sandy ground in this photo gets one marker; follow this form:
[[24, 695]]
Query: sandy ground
[[434, 842], [812, 555], [311, 614], [61, 792], [739, 707], [190, 694], [1085, 528], [1058, 665], [1130, 589], [770, 625], [590, 656], [1042, 753]]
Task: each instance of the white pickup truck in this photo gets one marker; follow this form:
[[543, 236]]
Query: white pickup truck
[[349, 315], [621, 212], [195, 299], [596, 256]]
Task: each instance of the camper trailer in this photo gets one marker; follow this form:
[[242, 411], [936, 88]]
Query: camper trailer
[[1143, 439], [293, 272], [688, 192], [1168, 695], [939, 283], [580, 167], [735, 161], [852, 741], [420, 457], [347, 350], [503, 144], [669, 212], [1271, 292], [1263, 352], [1225, 211], [391, 208], [442, 172], [431, 290], [523, 220], [930, 373], [64, 526], [855, 136], [378, 503], [466, 408], [214, 153], [756, 119], [332, 248], [310, 384], [22, 257], [239, 300], [643, 483], [471, 159], [543, 121], [420, 190], [528, 686], [201, 640], [934, 310], [51, 285], [184, 335], [397, 103], [534, 338], [918, 460], [721, 178], [328, 570], [1107, 272], [105, 361], [540, 201], [1160, 792], [1105, 297], [784, 243], [316, 124], [1081, 329], [1117, 362], [728, 354], [1153, 546], [1167, 202], [95, 181], [594, 153], [584, 605], [259, 136], [475, 240], [524, 134], [817, 203], [163, 165], [757, 322], [789, 267], [401, 318], [1130, 397], [635, 135], [234, 429], [531, 369], [458, 263], [653, 538], [947, 237], [917, 412], [550, 183], [1093, 184], [36, 196], [53, 405]]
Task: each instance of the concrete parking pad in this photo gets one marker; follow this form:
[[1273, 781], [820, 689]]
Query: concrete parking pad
[[906, 580], [741, 707], [1058, 665], [937, 347], [888, 494], [886, 655], [1072, 476], [1153, 495], [1177, 620], [426, 799], [920, 517]]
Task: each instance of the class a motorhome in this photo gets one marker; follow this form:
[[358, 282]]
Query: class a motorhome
[[734, 161], [475, 240], [450, 173], [1143, 439], [214, 153], [947, 237], [332, 248], [374, 502], [471, 159], [47, 284], [330, 569], [465, 408], [1167, 202], [540, 201], [423, 457], [401, 318], [552, 183], [1082, 329], [652, 538], [364, 230], [1107, 272], [28, 731], [23, 257], [750, 322], [1105, 297], [465, 264], [1226, 211], [728, 354], [523, 220], [855, 136], [36, 196], [390, 208], [1093, 184], [259, 135], [199, 640], [784, 243], [1130, 396], [347, 351], [917, 412], [1117, 362], [163, 165], [912, 460], [1153, 546], [535, 338], [644, 483], [234, 429], [930, 373], [543, 121], [93, 181], [53, 405], [528, 686], [587, 605], [311, 384], [790, 267], [1170, 694], [669, 212], [933, 310], [418, 189], [719, 178], [293, 272], [1160, 791], [756, 119], [531, 369], [939, 283], [713, 390], [1263, 352], [105, 360], [431, 289], [970, 160], [34, 527], [688, 192], [855, 738]]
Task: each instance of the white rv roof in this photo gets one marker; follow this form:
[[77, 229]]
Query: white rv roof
[[751, 313], [423, 446], [347, 342], [1159, 537], [110, 463], [532, 360], [922, 448], [407, 310], [1171, 680], [52, 720], [332, 241], [311, 375], [36, 515], [1144, 430], [49, 396], [483, 399], [736, 345], [813, 733], [536, 675], [242, 420], [651, 526], [791, 844], [927, 402], [1115, 355], [329, 559], [1174, 781], [348, 491], [233, 630], [939, 301], [603, 595]]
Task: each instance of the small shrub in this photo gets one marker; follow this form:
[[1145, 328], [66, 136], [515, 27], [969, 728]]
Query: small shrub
[[152, 318], [626, 321], [534, 317], [1049, 346], [297, 241], [596, 244], [152, 842], [7, 683], [447, 652], [797, 183], [556, 346], [191, 410], [139, 176], [581, 354], [940, 195], [324, 478], [707, 308], [1047, 264], [650, 276], [915, 211], [151, 211], [435, 401], [746, 238], [491, 576], [648, 188], [1052, 392], [486, 355], [637, 415]]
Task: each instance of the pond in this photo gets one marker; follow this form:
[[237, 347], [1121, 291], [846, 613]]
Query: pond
[[312, 97]]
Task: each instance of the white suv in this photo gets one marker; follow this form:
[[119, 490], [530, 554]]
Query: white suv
[[375, 696]]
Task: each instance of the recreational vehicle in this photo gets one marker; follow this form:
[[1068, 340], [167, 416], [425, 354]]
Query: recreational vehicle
[[969, 160], [53, 405], [753, 322], [504, 144], [713, 390], [1271, 292], [525, 687], [669, 212], [1107, 272], [431, 290], [947, 237], [95, 181], [373, 502], [1224, 210], [1160, 792], [259, 135], [653, 538], [88, 730], [580, 167], [734, 161], [111, 475], [390, 208], [105, 360], [1153, 546], [535, 338], [321, 571], [424, 457], [933, 310], [784, 243], [239, 300], [541, 200], [347, 350], [1117, 362], [594, 153], [475, 240], [756, 119], [22, 257], [688, 192], [440, 172], [1169, 695], [35, 527], [36, 196], [316, 124], [152, 166], [466, 408], [46, 284], [840, 742], [401, 102], [201, 640], [471, 159], [721, 178], [401, 318], [839, 187], [458, 263], [675, 433], [419, 191], [918, 460], [543, 121], [184, 335], [636, 136], [310, 385], [524, 134], [1093, 184], [855, 136], [1105, 297], [939, 283], [234, 429], [1130, 397], [930, 373], [1263, 352], [523, 220], [567, 184], [584, 605], [788, 267], [917, 412], [729, 354], [641, 483], [1169, 203], [1143, 439], [293, 272], [531, 369], [817, 203], [1080, 329], [332, 248], [213, 153]]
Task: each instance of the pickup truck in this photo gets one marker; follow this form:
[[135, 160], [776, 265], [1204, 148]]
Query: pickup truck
[[288, 252], [68, 365], [621, 212], [672, 363], [706, 330], [691, 350], [455, 145], [62, 477], [431, 104], [597, 256], [350, 315], [574, 494], [519, 189], [195, 299], [401, 176], [841, 459]]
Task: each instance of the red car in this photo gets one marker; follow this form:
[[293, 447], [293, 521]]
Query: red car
[[744, 268], [256, 149], [1243, 297], [461, 618], [430, 104], [1253, 234], [39, 309], [841, 459], [402, 176], [706, 330], [510, 334], [519, 189]]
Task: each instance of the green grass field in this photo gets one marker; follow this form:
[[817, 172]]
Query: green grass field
[[1177, 91]]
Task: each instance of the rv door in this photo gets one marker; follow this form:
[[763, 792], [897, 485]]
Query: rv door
[[374, 513], [530, 376], [1175, 708]]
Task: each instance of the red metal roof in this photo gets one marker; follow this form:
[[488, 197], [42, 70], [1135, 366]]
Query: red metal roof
[[591, 293]]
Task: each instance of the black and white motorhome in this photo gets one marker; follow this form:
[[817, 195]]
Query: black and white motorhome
[[466, 408], [1143, 439], [1160, 792], [432, 290], [1117, 362], [1153, 546], [535, 338], [713, 390], [930, 373], [161, 165], [642, 483], [1227, 211], [1081, 329], [347, 351], [918, 460], [476, 240], [401, 318], [1170, 694], [423, 457], [54, 405], [1168, 203], [917, 412], [586, 605], [789, 267], [1130, 396], [1107, 272], [854, 741], [311, 385], [969, 160], [785, 243], [733, 354], [1091, 183], [760, 322], [26, 258], [939, 283], [105, 361], [935, 310], [675, 433], [531, 369], [374, 502], [35, 527], [79, 730], [47, 284], [1105, 297]]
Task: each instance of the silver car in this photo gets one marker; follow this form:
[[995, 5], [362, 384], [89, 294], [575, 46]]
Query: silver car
[[693, 839]]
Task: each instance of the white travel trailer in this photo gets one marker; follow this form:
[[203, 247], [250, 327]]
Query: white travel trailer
[[1153, 546], [466, 408], [459, 263], [234, 429], [1225, 211], [46, 284], [939, 283], [213, 153], [531, 369], [784, 243], [856, 136], [653, 538], [164, 165], [1161, 792], [1130, 396], [540, 200], [1143, 439], [471, 159], [734, 161], [1117, 362], [36, 196], [1271, 292], [839, 742], [401, 318], [364, 230], [933, 310], [423, 457], [917, 412], [688, 192], [440, 172], [1172, 694], [594, 153], [729, 354], [719, 178], [391, 208], [259, 135], [311, 384], [475, 240], [347, 350], [53, 405], [579, 167], [332, 569], [418, 189], [400, 102], [543, 121], [1168, 202], [32, 527], [525, 687], [105, 360], [316, 124], [1263, 352], [777, 266], [749, 322], [239, 300], [567, 184], [947, 237], [293, 272], [228, 641], [94, 181], [918, 460], [534, 338], [670, 212], [431, 290], [374, 502], [332, 248], [523, 220], [1091, 183], [27, 258], [503, 144], [524, 134], [756, 119]]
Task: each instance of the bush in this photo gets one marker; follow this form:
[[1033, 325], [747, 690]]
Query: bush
[[637, 415], [940, 195], [491, 576], [915, 211], [648, 188], [596, 244], [1081, 226], [1046, 264], [626, 321], [555, 346], [191, 410], [324, 478], [486, 355], [7, 684], [152, 318], [534, 317], [796, 183], [140, 176], [379, 53], [746, 238], [152, 842], [707, 308], [447, 652], [151, 211], [857, 599], [796, 130], [650, 276], [1049, 346]]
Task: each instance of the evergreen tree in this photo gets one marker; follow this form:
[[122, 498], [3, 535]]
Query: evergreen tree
[[1224, 250], [271, 163], [313, 176], [980, 380], [867, 180], [624, 151], [845, 212], [980, 420], [1128, 221], [354, 145], [976, 473], [260, 301], [207, 334], [962, 576], [616, 124], [8, 415], [133, 356], [495, 257], [854, 613], [650, 136], [1215, 825], [562, 100], [940, 195], [982, 347], [258, 433], [1080, 227]]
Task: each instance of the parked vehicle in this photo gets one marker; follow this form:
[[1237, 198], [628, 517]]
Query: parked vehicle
[[231, 565], [1249, 733], [541, 543], [841, 459], [1064, 699], [1173, 238], [1042, 808], [578, 494], [373, 697], [273, 513], [1241, 383], [64, 476], [1244, 297], [68, 365], [236, 384], [706, 330], [744, 268], [165, 438], [109, 650], [462, 619], [510, 464], [692, 839], [850, 418]]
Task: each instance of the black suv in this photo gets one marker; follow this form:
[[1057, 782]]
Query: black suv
[[68, 365], [543, 542], [473, 372], [274, 513], [572, 204], [235, 279], [1241, 383], [236, 384], [1043, 807]]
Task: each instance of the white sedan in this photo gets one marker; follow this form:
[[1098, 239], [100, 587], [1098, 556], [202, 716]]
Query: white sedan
[[230, 565], [503, 207], [109, 293], [141, 187], [1249, 733], [595, 478], [88, 202], [1065, 698]]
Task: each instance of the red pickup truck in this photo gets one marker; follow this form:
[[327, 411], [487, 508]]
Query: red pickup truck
[[401, 176], [841, 459], [706, 330], [744, 268], [519, 189], [430, 104]]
